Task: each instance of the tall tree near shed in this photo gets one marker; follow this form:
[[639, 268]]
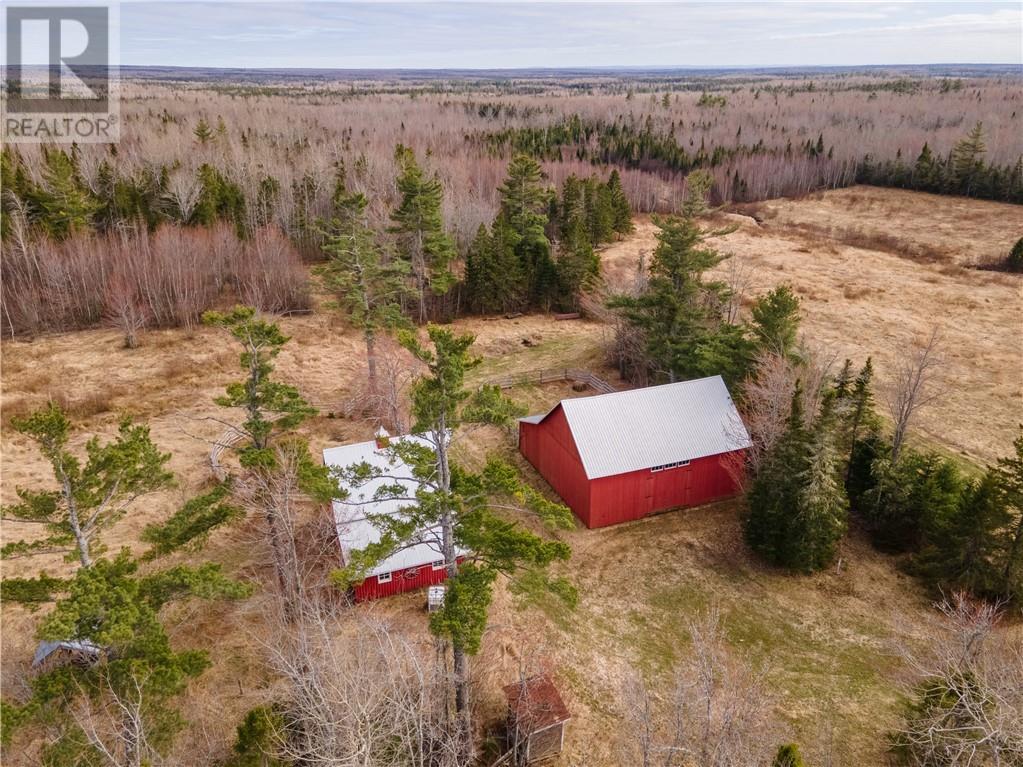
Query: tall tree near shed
[[461, 503]]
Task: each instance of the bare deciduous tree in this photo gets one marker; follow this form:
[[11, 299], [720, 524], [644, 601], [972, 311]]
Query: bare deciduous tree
[[912, 387], [358, 693], [967, 693], [715, 716]]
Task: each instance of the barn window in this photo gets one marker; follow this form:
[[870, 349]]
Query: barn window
[[665, 466], [384, 578], [439, 565]]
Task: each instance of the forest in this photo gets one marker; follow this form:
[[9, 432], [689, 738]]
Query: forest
[[264, 269]]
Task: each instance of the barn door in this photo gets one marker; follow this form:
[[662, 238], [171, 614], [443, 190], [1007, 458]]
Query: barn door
[[648, 493]]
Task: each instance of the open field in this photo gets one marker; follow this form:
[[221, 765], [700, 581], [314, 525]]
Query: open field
[[825, 639], [854, 258]]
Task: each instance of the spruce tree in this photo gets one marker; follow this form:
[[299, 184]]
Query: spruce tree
[[418, 226], [1008, 472], [621, 213], [776, 321], [967, 160], [684, 335], [203, 132], [524, 206]]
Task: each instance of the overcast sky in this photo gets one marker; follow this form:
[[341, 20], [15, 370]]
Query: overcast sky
[[572, 34]]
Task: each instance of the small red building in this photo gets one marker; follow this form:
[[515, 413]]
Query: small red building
[[417, 564], [617, 457]]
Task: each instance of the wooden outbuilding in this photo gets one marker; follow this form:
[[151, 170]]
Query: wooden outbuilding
[[74, 652], [536, 720], [415, 565], [618, 457]]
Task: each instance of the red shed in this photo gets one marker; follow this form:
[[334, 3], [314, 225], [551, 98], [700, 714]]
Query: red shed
[[418, 564], [618, 457]]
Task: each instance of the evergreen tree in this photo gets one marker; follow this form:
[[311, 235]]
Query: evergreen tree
[[90, 496], [418, 226], [64, 203], [1014, 261], [203, 132], [524, 204], [774, 494], [621, 213], [967, 160], [365, 287], [910, 496], [684, 335], [967, 550], [577, 264], [271, 407], [1008, 473], [257, 734], [788, 755], [698, 186], [460, 502], [776, 321]]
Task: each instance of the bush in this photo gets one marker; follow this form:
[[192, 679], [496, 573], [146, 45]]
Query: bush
[[1014, 261], [788, 756]]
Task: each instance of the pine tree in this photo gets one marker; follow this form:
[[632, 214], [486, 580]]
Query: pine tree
[[776, 321], [577, 264], [460, 502], [822, 514], [90, 496], [64, 203], [524, 205], [365, 287], [698, 186], [418, 226]]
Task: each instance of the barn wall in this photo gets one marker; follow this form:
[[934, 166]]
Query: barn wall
[[409, 579], [630, 496], [549, 447]]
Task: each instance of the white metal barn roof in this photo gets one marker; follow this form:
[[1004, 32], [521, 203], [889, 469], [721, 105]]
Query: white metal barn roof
[[355, 531], [642, 428]]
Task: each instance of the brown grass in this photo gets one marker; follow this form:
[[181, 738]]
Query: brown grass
[[872, 298], [826, 638]]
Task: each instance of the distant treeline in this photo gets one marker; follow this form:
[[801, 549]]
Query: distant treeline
[[633, 143]]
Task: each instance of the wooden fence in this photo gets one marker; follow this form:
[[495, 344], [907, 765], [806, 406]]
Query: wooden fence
[[550, 376]]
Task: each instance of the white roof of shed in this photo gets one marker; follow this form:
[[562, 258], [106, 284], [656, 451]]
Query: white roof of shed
[[355, 531], [642, 428]]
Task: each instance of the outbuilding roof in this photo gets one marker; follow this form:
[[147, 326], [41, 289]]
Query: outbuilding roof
[[654, 426], [352, 516], [535, 704]]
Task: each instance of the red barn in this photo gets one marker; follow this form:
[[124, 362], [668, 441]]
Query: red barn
[[618, 457], [418, 564]]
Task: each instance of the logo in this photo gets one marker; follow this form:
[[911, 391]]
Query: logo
[[60, 76]]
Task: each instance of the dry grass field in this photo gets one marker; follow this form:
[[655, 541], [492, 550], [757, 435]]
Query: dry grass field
[[876, 270], [826, 640]]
